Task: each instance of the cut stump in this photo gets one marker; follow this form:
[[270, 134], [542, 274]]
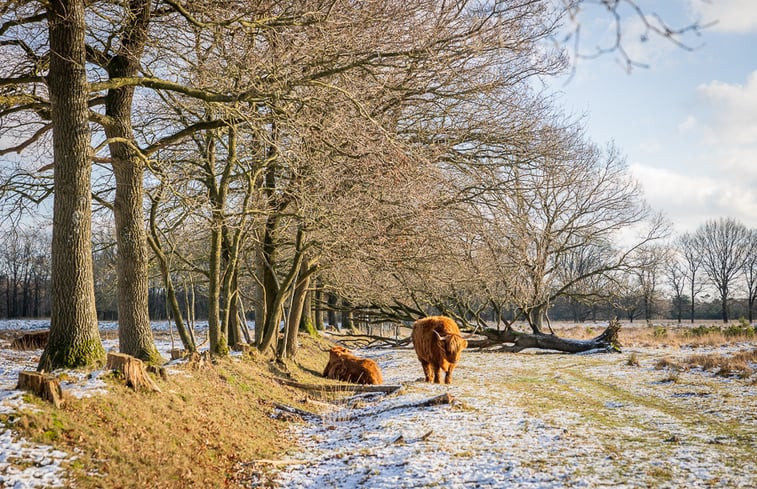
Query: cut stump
[[178, 353], [133, 371], [44, 386], [31, 341]]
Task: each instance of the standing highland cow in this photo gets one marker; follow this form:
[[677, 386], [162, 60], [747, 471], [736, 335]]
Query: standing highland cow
[[345, 366], [438, 344]]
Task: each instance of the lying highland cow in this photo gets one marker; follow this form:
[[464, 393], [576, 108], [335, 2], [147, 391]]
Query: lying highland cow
[[345, 366], [438, 344]]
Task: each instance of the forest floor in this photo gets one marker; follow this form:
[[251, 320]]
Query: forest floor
[[647, 417]]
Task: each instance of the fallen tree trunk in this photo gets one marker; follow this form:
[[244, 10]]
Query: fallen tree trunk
[[607, 341], [511, 341], [341, 387], [301, 413], [445, 398], [354, 341]]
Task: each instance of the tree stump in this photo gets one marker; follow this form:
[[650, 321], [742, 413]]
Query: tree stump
[[178, 353], [36, 340], [133, 371], [199, 360], [44, 386]]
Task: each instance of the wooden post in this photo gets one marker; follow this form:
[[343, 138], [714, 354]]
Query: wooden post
[[44, 386], [133, 371]]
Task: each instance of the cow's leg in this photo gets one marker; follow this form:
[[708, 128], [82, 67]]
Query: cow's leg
[[448, 377], [438, 375], [427, 370]]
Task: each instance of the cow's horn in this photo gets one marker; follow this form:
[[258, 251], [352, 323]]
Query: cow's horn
[[441, 338]]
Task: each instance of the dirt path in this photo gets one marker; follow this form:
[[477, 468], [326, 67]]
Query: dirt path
[[540, 420]]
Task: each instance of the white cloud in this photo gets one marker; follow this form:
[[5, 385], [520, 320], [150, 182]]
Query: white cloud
[[690, 200], [737, 16], [688, 125], [732, 110]]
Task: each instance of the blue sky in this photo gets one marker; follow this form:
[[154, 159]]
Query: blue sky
[[688, 122]]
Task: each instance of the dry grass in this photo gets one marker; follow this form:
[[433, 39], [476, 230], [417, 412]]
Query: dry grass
[[201, 431], [726, 365], [665, 334]]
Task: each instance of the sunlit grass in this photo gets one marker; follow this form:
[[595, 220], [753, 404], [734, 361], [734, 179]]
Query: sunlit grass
[[738, 364], [201, 431]]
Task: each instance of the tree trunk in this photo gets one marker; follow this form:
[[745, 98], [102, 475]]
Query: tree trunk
[[331, 313], [536, 319], [134, 332], [318, 305], [234, 325], [74, 334], [346, 314], [296, 312], [284, 289], [724, 305], [270, 324], [186, 335], [218, 338]]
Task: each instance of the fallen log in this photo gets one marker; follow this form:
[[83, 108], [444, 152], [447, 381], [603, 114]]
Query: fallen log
[[298, 412], [341, 387], [43, 385], [133, 371], [370, 341], [606, 341], [445, 398], [278, 463]]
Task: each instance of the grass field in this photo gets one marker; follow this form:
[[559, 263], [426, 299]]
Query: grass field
[[675, 409]]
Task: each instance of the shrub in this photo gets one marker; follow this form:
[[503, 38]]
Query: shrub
[[741, 329], [699, 331], [660, 332]]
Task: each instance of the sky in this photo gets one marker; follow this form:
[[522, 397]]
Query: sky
[[687, 123]]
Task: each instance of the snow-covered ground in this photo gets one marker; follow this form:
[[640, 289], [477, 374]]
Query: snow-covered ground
[[522, 420], [538, 421], [24, 465]]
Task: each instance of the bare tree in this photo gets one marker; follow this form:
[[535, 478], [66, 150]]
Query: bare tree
[[648, 265], [724, 246], [750, 273], [676, 276], [614, 39], [692, 263]]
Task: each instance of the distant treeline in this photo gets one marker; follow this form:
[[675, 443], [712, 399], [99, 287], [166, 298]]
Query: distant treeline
[[28, 296]]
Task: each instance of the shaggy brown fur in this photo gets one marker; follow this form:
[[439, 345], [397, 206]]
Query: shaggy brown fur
[[345, 366], [438, 344], [31, 341]]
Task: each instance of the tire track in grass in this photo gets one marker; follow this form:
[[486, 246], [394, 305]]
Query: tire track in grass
[[530, 421], [622, 412], [706, 445]]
